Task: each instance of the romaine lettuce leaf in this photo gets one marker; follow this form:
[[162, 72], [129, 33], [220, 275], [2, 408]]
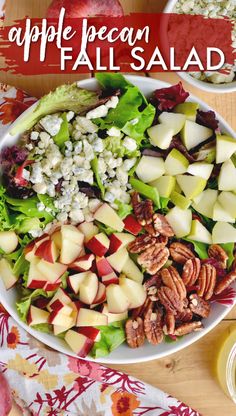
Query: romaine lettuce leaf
[[112, 81], [112, 336], [63, 134], [144, 120], [5, 223], [123, 209], [115, 145], [146, 190], [46, 328], [28, 207]]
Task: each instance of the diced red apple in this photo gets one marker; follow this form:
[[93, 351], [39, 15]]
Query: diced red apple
[[132, 271], [52, 271], [76, 280], [99, 244], [88, 317], [8, 241], [90, 332], [70, 251], [48, 251], [103, 267], [114, 317], [7, 275], [62, 296], [30, 253], [36, 278], [132, 225], [118, 259], [51, 286], [110, 279], [117, 301], [56, 237], [119, 240], [83, 263], [37, 316], [108, 216], [101, 294], [79, 343], [135, 292], [78, 305], [88, 289], [60, 319], [89, 229], [71, 233], [57, 305]]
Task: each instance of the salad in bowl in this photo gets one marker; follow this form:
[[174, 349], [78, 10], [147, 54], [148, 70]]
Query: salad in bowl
[[118, 218]]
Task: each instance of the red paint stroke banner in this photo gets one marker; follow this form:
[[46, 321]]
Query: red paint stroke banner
[[137, 42]]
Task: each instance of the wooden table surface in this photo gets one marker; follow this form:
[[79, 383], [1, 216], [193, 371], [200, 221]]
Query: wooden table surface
[[187, 374]]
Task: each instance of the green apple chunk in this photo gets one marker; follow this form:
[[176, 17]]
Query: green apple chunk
[[204, 203], [227, 177], [201, 169], [191, 185], [150, 168], [223, 233], [189, 109], [164, 185], [228, 202], [225, 148], [161, 135], [180, 220], [219, 214], [193, 134], [174, 121], [176, 163], [199, 233], [180, 200]]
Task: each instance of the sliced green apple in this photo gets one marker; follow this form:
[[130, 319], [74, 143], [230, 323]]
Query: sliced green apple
[[193, 134], [180, 220], [223, 233], [176, 163], [201, 169], [227, 177], [204, 203], [220, 214], [174, 121], [191, 185], [189, 109], [199, 233], [164, 185], [228, 202], [161, 135], [180, 200], [225, 147], [150, 168]]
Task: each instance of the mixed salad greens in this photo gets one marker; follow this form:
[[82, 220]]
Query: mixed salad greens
[[80, 157]]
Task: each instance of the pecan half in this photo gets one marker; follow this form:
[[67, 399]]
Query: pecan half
[[134, 330], [152, 293], [142, 310], [154, 258], [154, 280], [191, 271], [206, 281], [172, 279], [143, 210], [187, 328], [199, 306], [218, 253], [180, 252], [185, 316], [170, 300], [152, 327], [225, 282], [161, 225], [151, 230], [169, 326], [141, 243]]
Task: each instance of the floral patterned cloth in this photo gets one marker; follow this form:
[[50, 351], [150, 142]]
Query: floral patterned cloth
[[45, 382]]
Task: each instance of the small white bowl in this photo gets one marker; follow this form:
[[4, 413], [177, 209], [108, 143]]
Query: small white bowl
[[203, 85]]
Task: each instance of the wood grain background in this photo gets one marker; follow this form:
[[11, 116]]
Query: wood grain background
[[188, 374]]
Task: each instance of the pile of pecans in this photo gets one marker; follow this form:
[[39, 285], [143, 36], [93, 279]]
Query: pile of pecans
[[179, 285]]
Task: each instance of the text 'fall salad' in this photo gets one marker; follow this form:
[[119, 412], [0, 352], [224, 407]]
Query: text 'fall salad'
[[117, 215]]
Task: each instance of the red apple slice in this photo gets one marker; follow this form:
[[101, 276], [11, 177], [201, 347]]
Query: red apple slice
[[108, 216], [99, 244], [83, 263], [119, 240], [62, 296], [70, 251], [8, 241], [89, 229], [92, 333], [76, 280], [132, 225], [71, 233], [56, 237], [135, 292], [117, 301], [50, 286], [57, 305], [37, 316], [6, 274], [47, 251], [78, 305], [118, 259], [114, 317], [103, 266], [36, 279], [58, 318], [52, 271], [79, 343], [88, 317], [88, 289], [110, 279], [101, 294], [132, 271]]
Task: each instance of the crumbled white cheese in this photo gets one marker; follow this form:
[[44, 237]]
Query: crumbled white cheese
[[51, 124], [114, 132], [26, 174], [70, 115], [98, 112], [130, 144], [34, 135], [76, 215], [113, 102]]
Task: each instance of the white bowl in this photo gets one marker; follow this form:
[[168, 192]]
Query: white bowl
[[203, 85], [124, 354]]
